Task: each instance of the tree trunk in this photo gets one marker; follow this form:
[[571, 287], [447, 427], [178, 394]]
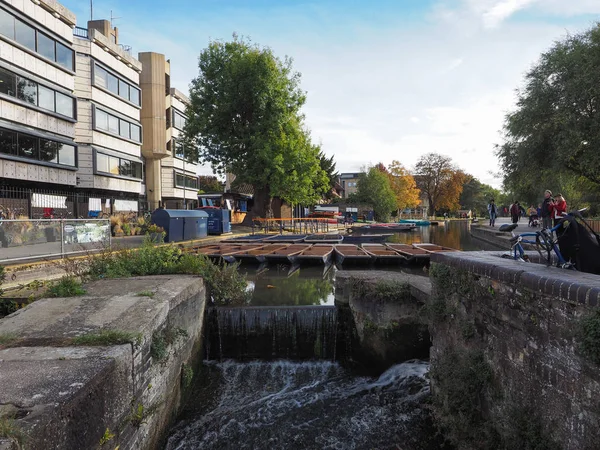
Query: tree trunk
[[262, 206]]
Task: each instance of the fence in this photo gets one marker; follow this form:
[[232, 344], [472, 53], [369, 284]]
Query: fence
[[22, 240], [296, 226]]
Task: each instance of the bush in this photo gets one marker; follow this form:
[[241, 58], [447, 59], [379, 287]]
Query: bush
[[67, 287]]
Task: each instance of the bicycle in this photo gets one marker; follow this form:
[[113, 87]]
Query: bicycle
[[544, 240]]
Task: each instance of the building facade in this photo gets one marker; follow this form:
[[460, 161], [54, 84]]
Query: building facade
[[171, 178], [108, 129], [38, 152], [349, 183]]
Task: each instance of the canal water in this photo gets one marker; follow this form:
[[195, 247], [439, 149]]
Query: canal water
[[317, 404]]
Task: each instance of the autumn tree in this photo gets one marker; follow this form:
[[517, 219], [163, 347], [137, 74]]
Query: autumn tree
[[404, 186], [374, 189], [209, 183], [440, 180], [245, 118]]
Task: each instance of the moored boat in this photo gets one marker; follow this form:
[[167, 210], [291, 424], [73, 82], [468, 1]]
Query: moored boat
[[384, 228], [434, 248], [382, 254], [365, 238], [289, 238], [411, 253], [350, 253], [286, 254], [318, 253], [417, 222], [256, 254], [324, 239]]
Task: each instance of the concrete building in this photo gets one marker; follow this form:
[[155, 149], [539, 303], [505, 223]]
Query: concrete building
[[38, 153], [108, 129], [171, 179], [349, 183]]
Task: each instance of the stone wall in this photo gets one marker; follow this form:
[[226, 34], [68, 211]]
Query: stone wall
[[507, 366], [123, 392]]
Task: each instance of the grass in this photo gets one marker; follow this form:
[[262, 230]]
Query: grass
[[145, 294], [187, 375], [7, 338], [68, 286], [108, 337], [107, 436], [10, 430]]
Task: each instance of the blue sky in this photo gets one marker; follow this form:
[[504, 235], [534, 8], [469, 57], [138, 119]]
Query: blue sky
[[385, 79]]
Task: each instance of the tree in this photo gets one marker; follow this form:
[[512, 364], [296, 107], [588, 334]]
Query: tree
[[477, 195], [404, 186], [208, 183], [439, 179], [554, 129], [374, 188], [244, 117], [328, 166]]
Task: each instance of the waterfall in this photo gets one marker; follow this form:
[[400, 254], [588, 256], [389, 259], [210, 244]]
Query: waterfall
[[271, 333]]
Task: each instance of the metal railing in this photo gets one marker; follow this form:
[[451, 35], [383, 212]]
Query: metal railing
[[81, 32], [25, 239], [296, 226]]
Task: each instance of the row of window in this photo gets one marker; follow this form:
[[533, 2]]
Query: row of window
[[185, 181], [39, 149], [178, 119], [107, 122], [116, 85], [118, 166], [36, 41], [36, 94]]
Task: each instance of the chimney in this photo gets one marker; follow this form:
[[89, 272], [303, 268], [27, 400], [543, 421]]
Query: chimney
[[103, 26]]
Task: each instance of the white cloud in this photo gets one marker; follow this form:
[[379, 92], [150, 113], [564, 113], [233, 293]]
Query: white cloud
[[502, 10]]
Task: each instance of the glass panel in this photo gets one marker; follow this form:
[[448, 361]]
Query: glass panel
[[48, 151], [64, 105], [136, 170], [7, 24], [8, 82], [28, 147], [24, 35], [101, 120], [123, 89], [45, 46], [102, 163], [124, 128], [134, 95], [66, 154], [100, 77], [179, 121], [136, 133], [168, 117], [7, 142], [125, 168], [27, 91], [113, 124], [46, 98], [64, 56], [179, 149], [113, 165], [113, 84]]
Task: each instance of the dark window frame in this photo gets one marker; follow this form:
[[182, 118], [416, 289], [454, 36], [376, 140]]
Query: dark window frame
[[186, 178], [17, 136], [120, 80], [119, 119], [121, 166], [175, 112]]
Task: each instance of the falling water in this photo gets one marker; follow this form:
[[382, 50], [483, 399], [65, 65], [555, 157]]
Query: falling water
[[305, 405]]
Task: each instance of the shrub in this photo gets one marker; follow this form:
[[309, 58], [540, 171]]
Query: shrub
[[67, 287], [153, 228], [10, 430]]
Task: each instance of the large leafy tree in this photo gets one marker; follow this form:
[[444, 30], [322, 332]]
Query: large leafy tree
[[440, 180], [245, 118], [374, 189], [404, 186], [209, 184], [328, 166], [476, 195], [555, 129]]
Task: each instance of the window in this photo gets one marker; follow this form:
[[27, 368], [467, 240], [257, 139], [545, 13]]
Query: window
[[49, 151], [27, 90], [117, 126], [45, 46], [8, 82], [28, 147], [168, 115], [179, 149], [118, 166], [185, 181], [66, 154], [65, 105], [178, 120], [46, 98], [25, 35], [7, 142], [36, 41], [118, 86], [65, 56]]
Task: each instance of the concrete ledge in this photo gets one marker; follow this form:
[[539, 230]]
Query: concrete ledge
[[65, 397], [566, 285]]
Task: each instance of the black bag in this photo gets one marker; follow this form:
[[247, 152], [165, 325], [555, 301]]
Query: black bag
[[579, 246]]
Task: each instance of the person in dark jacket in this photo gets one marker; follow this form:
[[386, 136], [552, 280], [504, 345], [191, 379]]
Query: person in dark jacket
[[547, 205], [515, 212]]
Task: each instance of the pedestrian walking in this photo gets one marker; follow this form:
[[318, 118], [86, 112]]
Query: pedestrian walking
[[547, 205], [493, 212]]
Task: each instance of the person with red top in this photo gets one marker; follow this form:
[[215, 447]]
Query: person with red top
[[558, 208]]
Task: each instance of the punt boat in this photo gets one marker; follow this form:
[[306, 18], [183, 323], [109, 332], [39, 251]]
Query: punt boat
[[350, 253]]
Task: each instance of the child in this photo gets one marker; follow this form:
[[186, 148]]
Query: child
[[558, 208]]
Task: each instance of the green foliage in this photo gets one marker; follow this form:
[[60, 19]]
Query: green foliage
[[244, 118], [328, 166], [374, 189], [10, 430], [161, 340], [137, 416], [588, 336], [145, 294], [552, 137], [7, 338], [108, 337], [477, 195], [66, 287], [524, 430], [461, 380], [383, 290], [209, 184], [106, 437], [187, 375]]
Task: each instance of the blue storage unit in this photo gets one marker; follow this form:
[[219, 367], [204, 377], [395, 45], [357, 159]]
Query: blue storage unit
[[181, 224], [218, 220]]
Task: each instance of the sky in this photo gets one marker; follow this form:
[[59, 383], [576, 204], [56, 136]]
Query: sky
[[385, 79]]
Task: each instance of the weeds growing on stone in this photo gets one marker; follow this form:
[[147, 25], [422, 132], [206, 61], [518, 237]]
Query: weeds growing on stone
[[106, 437], [7, 338], [588, 336], [108, 337], [67, 287], [137, 416], [161, 340], [187, 375], [10, 430], [145, 294]]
